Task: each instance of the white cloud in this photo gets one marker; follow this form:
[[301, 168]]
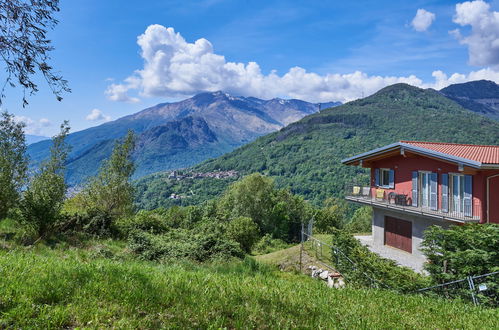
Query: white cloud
[[174, 67], [483, 40], [97, 115], [118, 92], [423, 20], [33, 126]]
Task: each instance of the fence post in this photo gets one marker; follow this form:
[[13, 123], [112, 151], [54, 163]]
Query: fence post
[[301, 247], [472, 290]]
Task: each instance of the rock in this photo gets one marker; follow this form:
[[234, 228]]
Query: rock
[[324, 275]]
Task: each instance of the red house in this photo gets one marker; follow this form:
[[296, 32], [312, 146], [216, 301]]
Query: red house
[[418, 184]]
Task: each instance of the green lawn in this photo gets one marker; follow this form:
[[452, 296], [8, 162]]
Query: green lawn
[[85, 287]]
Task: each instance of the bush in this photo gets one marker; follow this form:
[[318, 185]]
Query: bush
[[267, 244], [460, 251], [205, 243], [385, 272], [244, 231]]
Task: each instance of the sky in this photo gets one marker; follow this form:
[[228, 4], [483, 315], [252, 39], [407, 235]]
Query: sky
[[123, 56]]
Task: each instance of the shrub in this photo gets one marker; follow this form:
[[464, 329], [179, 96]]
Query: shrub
[[268, 244], [244, 231], [461, 251], [385, 272], [205, 243]]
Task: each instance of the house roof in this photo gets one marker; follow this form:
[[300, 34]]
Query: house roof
[[476, 156], [480, 153]]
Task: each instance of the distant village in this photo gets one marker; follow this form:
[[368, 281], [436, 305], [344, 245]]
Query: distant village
[[176, 175]]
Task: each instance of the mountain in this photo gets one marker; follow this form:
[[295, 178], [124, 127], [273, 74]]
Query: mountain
[[305, 156], [30, 139], [481, 96], [180, 134]]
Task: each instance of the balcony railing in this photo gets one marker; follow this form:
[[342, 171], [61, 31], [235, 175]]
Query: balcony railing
[[402, 201]]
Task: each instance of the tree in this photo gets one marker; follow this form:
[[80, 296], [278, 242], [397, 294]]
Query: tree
[[43, 199], [331, 216], [109, 195], [24, 46], [13, 162], [244, 231]]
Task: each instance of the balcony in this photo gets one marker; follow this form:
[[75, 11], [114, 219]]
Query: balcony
[[389, 199]]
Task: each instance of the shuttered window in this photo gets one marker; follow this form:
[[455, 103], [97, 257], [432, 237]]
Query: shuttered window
[[384, 177]]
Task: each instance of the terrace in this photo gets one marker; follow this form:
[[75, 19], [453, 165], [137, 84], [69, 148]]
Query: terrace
[[402, 202]]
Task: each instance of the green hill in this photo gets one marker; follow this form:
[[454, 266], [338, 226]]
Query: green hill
[[305, 155]]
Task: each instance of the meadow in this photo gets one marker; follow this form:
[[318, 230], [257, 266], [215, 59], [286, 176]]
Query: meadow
[[99, 284]]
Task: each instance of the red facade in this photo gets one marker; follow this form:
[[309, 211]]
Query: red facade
[[404, 165]]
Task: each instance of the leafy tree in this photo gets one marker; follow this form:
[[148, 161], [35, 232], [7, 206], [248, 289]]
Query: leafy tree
[[109, 195], [43, 199], [24, 46], [244, 231], [331, 216], [277, 212], [13, 162], [361, 220]]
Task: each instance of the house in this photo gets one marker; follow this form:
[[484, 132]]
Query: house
[[414, 185]]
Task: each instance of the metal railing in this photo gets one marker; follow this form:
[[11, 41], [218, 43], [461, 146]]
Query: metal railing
[[402, 201]]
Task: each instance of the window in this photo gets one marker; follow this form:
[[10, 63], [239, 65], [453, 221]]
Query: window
[[384, 177]]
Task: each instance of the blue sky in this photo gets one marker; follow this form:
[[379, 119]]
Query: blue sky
[[96, 49]]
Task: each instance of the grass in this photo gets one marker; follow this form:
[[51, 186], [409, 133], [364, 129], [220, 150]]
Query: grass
[[74, 287]]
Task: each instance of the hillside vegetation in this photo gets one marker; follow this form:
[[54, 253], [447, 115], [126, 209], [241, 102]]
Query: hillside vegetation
[[68, 288], [306, 156]]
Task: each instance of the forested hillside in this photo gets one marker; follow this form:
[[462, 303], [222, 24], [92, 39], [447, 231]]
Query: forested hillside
[[180, 134], [306, 156]]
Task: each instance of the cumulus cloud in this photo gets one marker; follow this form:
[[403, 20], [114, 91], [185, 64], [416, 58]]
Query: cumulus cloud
[[174, 67], [33, 126], [423, 20], [97, 115], [483, 40]]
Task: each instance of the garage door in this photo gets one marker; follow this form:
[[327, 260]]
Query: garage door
[[398, 233]]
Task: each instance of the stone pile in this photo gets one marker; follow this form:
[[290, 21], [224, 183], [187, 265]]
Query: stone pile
[[333, 279]]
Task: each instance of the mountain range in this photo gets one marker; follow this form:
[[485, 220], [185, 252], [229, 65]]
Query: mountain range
[[180, 134], [305, 156], [481, 96]]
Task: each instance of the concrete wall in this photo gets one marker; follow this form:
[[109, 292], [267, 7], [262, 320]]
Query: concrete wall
[[419, 224]]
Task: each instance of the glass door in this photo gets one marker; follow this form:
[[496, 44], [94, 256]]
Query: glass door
[[457, 193], [425, 189]]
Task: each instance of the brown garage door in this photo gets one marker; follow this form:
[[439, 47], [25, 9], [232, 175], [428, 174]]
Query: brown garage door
[[398, 233]]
